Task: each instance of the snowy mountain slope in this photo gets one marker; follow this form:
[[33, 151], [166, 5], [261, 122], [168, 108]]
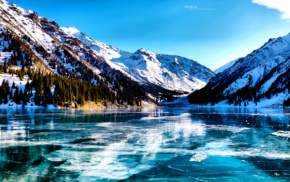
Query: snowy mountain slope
[[253, 77], [35, 42], [19, 23], [262, 75], [173, 73], [163, 70], [226, 66]]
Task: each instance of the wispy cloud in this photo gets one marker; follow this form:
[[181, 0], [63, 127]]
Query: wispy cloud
[[282, 5]]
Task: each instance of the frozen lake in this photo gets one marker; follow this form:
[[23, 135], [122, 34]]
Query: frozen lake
[[165, 144]]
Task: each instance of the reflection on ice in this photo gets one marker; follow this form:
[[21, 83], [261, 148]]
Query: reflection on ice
[[141, 147]]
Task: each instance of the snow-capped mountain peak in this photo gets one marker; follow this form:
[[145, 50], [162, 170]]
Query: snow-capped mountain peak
[[169, 72], [144, 52], [104, 50], [71, 30]]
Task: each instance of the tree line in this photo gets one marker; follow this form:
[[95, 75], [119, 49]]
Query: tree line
[[46, 89]]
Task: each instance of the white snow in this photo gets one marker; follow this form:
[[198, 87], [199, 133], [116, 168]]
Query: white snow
[[4, 56], [19, 83], [70, 30], [276, 101]]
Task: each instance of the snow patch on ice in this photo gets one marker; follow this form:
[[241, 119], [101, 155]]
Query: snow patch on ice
[[233, 129], [282, 134], [198, 158]]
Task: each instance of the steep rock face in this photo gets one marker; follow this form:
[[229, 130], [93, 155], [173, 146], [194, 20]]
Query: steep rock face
[[257, 79], [170, 72]]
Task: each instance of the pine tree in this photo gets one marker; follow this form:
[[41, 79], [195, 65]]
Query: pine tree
[[47, 95], [6, 100], [11, 97]]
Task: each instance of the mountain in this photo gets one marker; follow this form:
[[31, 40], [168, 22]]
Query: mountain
[[34, 42], [226, 66], [170, 72], [259, 79]]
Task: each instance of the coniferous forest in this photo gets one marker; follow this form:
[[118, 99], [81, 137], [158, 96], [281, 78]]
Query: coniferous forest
[[66, 91]]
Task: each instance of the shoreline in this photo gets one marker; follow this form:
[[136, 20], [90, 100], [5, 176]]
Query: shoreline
[[88, 106]]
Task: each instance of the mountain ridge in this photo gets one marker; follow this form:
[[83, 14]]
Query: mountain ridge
[[257, 79]]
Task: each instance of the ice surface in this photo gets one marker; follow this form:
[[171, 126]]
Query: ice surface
[[114, 145]]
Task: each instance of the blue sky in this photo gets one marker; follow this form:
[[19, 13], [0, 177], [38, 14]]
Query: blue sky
[[212, 32]]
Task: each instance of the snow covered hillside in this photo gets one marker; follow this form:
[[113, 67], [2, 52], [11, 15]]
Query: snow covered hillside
[[173, 73], [226, 66], [16, 86], [261, 77]]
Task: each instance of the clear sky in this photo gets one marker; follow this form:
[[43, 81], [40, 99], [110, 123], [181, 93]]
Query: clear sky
[[212, 32]]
